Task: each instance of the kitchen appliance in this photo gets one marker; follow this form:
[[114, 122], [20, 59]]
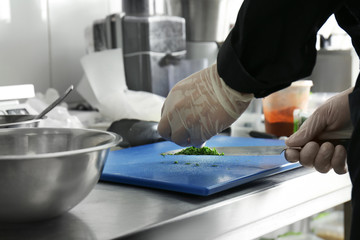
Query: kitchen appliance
[[13, 99], [153, 44], [335, 70], [144, 7], [199, 175], [207, 26], [15, 113]]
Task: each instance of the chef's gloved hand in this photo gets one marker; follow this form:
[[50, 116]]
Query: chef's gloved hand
[[333, 115], [200, 106]]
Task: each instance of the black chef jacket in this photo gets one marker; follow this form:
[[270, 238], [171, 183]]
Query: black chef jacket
[[273, 44]]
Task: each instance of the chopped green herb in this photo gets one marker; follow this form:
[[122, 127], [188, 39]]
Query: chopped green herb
[[214, 165], [196, 164], [198, 151], [289, 234], [176, 162], [187, 163]]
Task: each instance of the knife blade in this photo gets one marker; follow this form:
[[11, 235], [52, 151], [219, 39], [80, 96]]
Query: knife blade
[[341, 137], [245, 150]]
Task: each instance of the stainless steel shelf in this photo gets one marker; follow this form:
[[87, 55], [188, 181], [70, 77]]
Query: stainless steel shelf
[[116, 211]]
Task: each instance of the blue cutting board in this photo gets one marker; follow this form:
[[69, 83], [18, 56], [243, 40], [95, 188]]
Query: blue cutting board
[[200, 175]]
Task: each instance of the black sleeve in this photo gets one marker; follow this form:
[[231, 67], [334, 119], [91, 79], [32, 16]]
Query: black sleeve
[[273, 44], [348, 17]]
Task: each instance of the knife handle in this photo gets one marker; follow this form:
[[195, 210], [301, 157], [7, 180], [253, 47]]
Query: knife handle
[[258, 134], [339, 137]]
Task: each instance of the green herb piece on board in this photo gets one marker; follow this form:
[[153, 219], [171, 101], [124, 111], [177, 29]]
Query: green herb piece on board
[[199, 151]]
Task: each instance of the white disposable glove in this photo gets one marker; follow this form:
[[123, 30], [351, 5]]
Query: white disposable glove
[[199, 107], [333, 115]]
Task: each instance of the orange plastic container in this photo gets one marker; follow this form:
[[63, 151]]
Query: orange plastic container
[[279, 107]]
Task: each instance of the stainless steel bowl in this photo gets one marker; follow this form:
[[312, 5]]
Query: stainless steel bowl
[[44, 172], [17, 121]]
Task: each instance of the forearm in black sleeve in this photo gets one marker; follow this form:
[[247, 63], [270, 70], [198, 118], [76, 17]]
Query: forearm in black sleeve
[[348, 17], [272, 44]]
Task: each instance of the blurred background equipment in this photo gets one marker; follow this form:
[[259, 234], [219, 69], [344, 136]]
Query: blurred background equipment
[[334, 70], [207, 26], [151, 42], [163, 41]]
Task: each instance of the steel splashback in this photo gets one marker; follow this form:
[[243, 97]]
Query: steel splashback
[[206, 20], [144, 7]]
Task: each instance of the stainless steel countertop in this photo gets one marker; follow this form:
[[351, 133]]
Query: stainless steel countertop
[[114, 211]]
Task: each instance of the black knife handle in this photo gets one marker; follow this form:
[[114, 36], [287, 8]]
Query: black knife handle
[[257, 134], [339, 137]]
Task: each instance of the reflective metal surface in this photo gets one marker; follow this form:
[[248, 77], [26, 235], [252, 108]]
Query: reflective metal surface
[[143, 7], [244, 150], [120, 211], [247, 150], [206, 20], [17, 121], [44, 172]]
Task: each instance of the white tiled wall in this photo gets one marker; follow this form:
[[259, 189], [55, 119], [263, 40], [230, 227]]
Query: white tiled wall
[[67, 23], [42, 41], [24, 43]]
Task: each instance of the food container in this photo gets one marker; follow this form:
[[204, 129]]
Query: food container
[[45, 172], [279, 107]]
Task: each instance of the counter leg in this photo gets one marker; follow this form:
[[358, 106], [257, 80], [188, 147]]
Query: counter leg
[[347, 219]]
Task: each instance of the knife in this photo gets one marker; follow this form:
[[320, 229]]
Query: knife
[[341, 137], [246, 150]]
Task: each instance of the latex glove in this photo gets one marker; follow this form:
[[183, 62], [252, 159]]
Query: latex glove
[[333, 115], [199, 107]]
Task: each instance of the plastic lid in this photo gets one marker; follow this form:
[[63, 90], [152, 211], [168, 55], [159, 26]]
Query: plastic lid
[[303, 83]]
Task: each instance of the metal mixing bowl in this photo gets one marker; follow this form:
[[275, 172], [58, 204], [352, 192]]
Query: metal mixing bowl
[[44, 172], [16, 121]]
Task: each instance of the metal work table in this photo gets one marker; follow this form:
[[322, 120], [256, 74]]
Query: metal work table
[[127, 212]]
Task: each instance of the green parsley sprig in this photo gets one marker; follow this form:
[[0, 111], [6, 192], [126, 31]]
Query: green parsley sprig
[[199, 151]]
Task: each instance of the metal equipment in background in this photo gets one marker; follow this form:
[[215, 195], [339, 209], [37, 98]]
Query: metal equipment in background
[[207, 26], [152, 42], [335, 70], [13, 99], [337, 65]]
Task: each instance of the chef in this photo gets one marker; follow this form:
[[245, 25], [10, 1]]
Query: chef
[[271, 45]]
